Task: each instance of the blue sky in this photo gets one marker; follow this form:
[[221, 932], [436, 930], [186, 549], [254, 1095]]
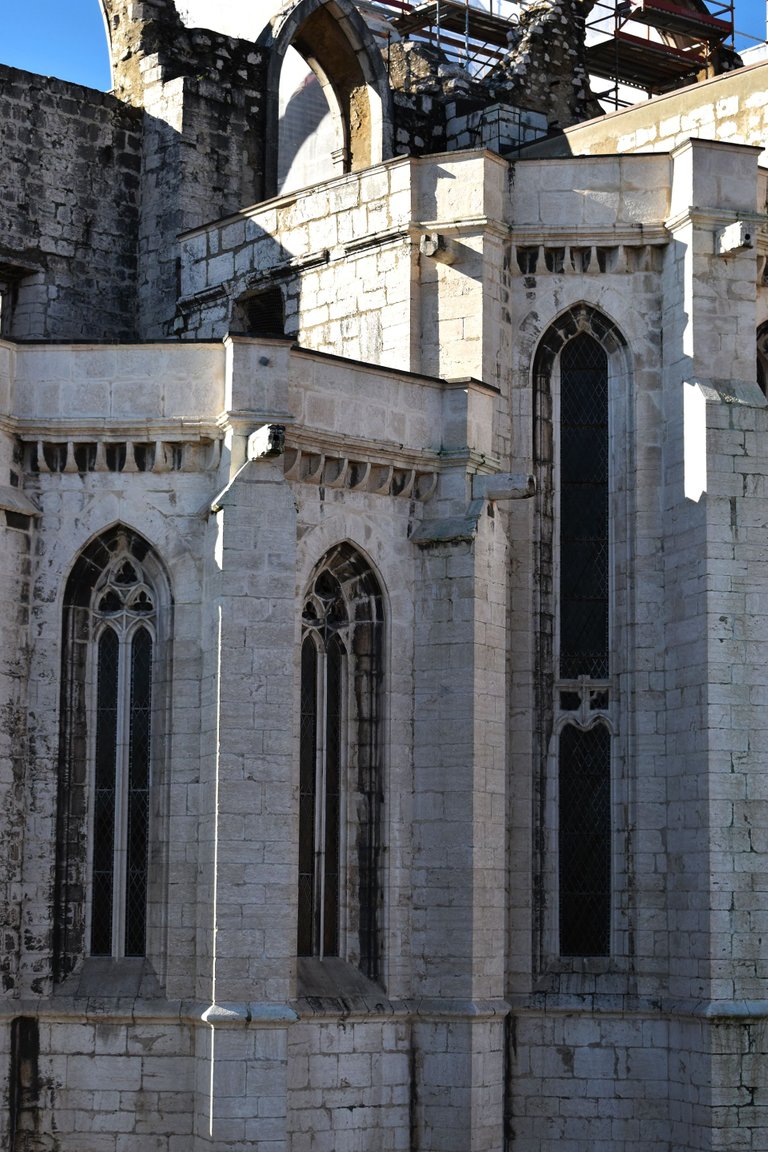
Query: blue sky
[[66, 38]]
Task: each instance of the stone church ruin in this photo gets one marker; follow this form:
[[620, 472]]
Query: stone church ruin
[[383, 457]]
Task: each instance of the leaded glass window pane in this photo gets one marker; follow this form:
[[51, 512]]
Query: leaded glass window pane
[[105, 795], [322, 696], [120, 853], [103, 842], [307, 775], [333, 717], [584, 544], [138, 793], [585, 841]]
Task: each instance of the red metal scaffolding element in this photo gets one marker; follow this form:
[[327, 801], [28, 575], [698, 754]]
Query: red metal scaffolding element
[[659, 45]]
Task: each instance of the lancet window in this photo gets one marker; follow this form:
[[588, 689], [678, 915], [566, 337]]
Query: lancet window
[[577, 650], [340, 783], [115, 632], [583, 587], [123, 623]]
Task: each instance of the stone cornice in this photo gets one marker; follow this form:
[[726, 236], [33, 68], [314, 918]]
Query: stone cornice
[[714, 218], [77, 429], [629, 235], [372, 451], [383, 471]]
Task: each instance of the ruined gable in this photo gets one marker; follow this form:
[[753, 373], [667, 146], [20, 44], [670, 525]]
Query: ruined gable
[[545, 68]]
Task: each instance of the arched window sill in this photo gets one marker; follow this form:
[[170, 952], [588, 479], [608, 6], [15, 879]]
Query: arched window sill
[[133, 977], [332, 980]]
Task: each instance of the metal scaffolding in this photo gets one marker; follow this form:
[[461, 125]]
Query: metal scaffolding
[[658, 45], [469, 36]]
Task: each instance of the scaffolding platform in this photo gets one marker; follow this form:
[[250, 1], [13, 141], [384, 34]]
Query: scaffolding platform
[[468, 35], [453, 16], [646, 64], [659, 45], [668, 17]]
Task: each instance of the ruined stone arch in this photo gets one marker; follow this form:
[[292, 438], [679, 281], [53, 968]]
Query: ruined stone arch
[[336, 43], [105, 10]]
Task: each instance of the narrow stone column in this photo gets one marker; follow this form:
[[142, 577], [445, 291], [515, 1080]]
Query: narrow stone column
[[459, 834], [715, 625], [248, 813]]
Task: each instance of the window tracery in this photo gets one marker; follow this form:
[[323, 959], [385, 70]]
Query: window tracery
[[123, 637]]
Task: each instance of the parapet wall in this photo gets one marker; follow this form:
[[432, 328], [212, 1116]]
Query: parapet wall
[[732, 108]]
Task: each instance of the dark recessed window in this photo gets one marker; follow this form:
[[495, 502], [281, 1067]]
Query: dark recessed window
[[262, 314], [583, 510], [584, 756], [585, 840]]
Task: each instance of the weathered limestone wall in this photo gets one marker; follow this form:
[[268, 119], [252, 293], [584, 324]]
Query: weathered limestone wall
[[132, 1077], [220, 920], [456, 266], [349, 1083], [687, 771], [186, 138], [715, 743], [203, 157], [577, 239], [355, 275], [15, 596], [301, 242], [69, 211], [440, 107]]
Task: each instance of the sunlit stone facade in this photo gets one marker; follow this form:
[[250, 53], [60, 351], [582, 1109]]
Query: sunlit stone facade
[[385, 606]]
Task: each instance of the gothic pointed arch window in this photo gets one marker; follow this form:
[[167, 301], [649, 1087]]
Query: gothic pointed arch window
[[583, 589], [340, 785], [116, 620], [576, 370]]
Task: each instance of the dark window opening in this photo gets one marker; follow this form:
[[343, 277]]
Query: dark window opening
[[115, 454], [584, 543], [85, 457], [122, 759], [572, 443], [137, 830], [585, 841], [105, 795], [260, 315], [762, 359]]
